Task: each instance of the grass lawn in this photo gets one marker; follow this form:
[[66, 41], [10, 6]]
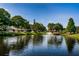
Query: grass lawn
[[76, 36], [21, 33], [12, 34], [35, 33]]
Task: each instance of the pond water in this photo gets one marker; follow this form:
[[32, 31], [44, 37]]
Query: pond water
[[42, 45]]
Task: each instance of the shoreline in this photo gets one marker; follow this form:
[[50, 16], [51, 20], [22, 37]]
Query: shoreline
[[21, 33], [76, 36]]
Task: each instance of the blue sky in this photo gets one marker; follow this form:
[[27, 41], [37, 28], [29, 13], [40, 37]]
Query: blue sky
[[45, 13]]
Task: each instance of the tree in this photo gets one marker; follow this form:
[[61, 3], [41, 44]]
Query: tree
[[71, 26], [58, 27], [50, 26], [17, 21], [38, 27], [4, 19], [20, 22], [27, 26]]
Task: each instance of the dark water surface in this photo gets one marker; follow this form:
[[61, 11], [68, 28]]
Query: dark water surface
[[43, 45]]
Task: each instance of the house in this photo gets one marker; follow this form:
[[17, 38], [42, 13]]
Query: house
[[12, 29]]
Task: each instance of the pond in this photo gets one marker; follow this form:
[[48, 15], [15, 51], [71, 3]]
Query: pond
[[38, 45]]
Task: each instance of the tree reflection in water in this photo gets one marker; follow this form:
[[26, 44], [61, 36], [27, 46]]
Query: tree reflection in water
[[29, 45], [4, 50], [21, 42], [37, 39], [70, 42], [55, 40], [77, 41]]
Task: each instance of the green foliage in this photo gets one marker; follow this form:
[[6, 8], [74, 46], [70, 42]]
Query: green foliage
[[20, 22], [71, 26], [17, 21], [4, 13], [50, 26], [37, 27], [56, 27], [4, 19]]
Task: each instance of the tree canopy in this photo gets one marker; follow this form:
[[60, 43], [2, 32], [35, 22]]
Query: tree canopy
[[71, 26], [56, 27], [4, 19], [50, 26], [38, 27], [20, 22]]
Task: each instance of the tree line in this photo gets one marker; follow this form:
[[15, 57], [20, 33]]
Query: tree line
[[71, 28], [19, 22]]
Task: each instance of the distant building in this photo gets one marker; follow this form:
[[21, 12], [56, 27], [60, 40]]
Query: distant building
[[34, 21], [11, 29], [14, 29]]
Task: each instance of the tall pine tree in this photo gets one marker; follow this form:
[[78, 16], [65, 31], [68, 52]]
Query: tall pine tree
[[71, 26]]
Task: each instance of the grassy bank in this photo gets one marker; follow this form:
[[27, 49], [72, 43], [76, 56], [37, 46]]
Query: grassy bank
[[35, 33], [11, 34], [21, 33], [76, 36]]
